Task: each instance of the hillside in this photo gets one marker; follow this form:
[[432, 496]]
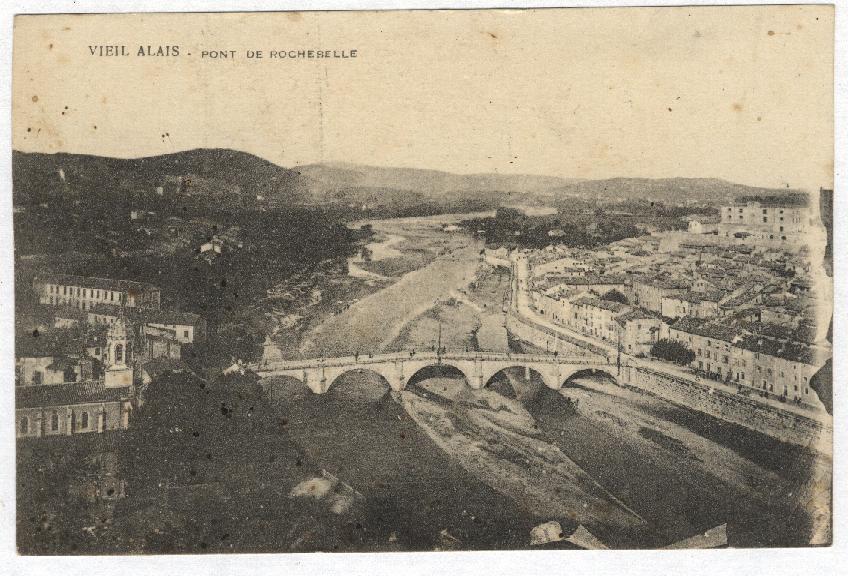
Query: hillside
[[223, 176], [434, 184], [350, 182], [227, 179], [667, 190]]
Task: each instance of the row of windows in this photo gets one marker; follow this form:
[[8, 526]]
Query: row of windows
[[714, 355], [109, 295], [739, 361], [766, 385], [80, 304], [765, 210], [24, 424]]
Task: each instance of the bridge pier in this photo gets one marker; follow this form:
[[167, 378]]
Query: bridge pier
[[476, 379], [397, 383], [477, 367]]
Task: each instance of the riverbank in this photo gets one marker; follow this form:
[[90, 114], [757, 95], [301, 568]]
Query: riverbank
[[520, 455], [416, 497]]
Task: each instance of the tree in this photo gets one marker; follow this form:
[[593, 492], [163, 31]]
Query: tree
[[220, 453], [673, 351], [615, 296], [53, 512]]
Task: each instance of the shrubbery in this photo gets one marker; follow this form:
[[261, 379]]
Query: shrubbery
[[615, 296], [673, 351]]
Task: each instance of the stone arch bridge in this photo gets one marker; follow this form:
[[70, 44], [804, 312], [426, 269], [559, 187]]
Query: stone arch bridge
[[398, 368]]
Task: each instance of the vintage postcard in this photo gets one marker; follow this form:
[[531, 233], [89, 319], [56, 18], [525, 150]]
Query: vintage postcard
[[423, 280]]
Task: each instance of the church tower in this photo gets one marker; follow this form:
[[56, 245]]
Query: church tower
[[118, 372]]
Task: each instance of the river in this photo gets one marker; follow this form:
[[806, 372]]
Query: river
[[441, 466], [373, 322]]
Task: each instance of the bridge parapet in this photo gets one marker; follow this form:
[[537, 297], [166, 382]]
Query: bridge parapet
[[412, 355], [399, 367]]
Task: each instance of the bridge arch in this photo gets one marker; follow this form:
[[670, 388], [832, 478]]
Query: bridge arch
[[529, 381], [606, 372], [383, 377], [417, 371]]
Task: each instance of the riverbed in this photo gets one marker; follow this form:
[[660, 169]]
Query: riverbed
[[371, 324], [441, 466]]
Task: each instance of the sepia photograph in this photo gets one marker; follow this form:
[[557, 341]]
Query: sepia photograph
[[423, 280]]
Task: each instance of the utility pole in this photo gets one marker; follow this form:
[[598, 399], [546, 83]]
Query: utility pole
[[618, 357], [439, 344]]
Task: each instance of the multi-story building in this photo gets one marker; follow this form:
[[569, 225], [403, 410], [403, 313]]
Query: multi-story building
[[783, 219], [554, 308], [640, 330], [156, 343], [187, 327], [710, 341], [699, 305], [50, 358], [69, 400], [597, 318], [779, 367], [71, 408], [649, 292], [85, 293]]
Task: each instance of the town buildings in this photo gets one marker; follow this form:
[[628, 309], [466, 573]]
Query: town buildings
[[751, 312], [778, 366], [85, 373], [187, 327], [787, 219], [59, 392], [71, 408], [85, 293]]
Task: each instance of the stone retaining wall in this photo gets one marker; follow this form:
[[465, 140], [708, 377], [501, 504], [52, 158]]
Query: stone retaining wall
[[541, 337], [736, 408]]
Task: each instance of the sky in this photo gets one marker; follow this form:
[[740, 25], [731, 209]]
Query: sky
[[739, 93]]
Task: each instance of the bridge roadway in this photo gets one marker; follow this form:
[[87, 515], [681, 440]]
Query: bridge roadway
[[398, 368]]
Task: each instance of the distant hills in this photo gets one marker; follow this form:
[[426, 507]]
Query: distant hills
[[230, 178], [666, 190], [219, 175], [433, 184]]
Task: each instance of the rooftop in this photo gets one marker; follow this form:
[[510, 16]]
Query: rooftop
[[148, 315], [51, 343], [788, 350], [638, 314], [706, 328], [603, 304], [595, 279], [68, 394], [787, 200], [91, 282]]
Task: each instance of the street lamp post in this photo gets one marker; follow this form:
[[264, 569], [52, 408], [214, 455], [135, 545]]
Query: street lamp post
[[618, 357]]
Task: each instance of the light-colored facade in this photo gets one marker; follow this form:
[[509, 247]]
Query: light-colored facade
[[712, 352], [35, 371], [782, 369], [596, 318], [767, 221], [85, 293], [639, 332], [688, 304], [71, 408], [649, 293], [187, 328]]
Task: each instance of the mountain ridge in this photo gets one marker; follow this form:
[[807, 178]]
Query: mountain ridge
[[242, 178]]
